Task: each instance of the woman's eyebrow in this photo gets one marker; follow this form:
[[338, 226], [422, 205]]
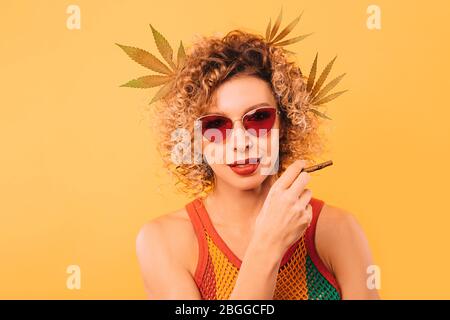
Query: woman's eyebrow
[[261, 104]]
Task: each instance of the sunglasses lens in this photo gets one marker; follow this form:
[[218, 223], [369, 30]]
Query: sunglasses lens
[[214, 127], [261, 121]]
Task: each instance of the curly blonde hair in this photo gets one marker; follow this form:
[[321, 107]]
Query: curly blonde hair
[[210, 61]]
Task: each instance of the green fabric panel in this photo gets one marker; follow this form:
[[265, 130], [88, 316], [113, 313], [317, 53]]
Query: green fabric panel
[[318, 286]]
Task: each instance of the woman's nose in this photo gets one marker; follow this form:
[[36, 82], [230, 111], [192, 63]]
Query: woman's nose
[[240, 138]]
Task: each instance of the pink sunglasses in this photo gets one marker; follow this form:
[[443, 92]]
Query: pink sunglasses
[[259, 121]]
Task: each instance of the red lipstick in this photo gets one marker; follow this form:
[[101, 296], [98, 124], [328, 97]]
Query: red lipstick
[[245, 168]]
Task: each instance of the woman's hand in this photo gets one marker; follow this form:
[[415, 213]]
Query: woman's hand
[[286, 212]]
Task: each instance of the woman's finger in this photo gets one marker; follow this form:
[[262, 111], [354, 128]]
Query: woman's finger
[[306, 215], [299, 183], [303, 200], [291, 173]]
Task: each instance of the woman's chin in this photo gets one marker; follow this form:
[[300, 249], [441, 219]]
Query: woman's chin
[[245, 182]]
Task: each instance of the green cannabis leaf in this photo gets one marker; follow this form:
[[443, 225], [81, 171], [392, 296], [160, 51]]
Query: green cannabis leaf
[[317, 96], [151, 62], [271, 37]]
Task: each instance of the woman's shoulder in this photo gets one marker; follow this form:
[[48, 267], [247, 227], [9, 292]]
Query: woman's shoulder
[[334, 226], [331, 215], [341, 241], [173, 232]]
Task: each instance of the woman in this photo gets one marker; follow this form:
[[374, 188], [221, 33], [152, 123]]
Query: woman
[[252, 231]]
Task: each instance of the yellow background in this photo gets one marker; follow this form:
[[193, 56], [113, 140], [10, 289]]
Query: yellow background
[[79, 173]]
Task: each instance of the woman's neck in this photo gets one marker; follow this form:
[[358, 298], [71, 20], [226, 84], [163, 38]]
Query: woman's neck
[[234, 208]]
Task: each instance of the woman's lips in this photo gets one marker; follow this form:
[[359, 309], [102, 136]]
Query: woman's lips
[[245, 169]]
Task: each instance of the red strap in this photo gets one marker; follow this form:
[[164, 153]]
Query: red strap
[[202, 244]]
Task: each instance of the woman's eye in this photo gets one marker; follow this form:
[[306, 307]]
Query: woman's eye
[[258, 116], [217, 123]]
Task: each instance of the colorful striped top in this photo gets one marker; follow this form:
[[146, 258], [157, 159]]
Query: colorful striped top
[[302, 275]]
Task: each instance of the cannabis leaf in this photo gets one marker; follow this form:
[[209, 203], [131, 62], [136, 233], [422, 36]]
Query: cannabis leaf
[[271, 37], [317, 96], [151, 62]]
